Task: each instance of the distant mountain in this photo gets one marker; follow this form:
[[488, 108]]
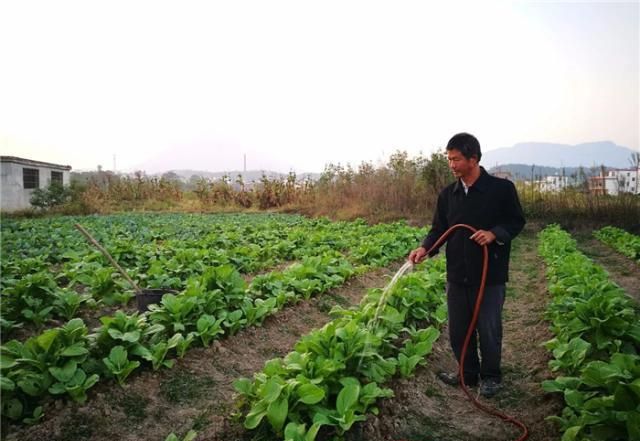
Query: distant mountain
[[248, 176], [525, 172], [590, 154]]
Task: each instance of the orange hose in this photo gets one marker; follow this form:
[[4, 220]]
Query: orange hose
[[472, 327]]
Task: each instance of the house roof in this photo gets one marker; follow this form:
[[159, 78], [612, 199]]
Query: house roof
[[31, 162]]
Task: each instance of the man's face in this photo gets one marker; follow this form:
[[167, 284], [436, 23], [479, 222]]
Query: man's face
[[459, 165]]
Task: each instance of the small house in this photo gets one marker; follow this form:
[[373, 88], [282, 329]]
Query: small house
[[20, 177]]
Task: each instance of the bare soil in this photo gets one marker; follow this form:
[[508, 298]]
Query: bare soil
[[197, 393]]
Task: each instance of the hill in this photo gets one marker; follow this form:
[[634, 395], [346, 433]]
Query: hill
[[525, 172], [592, 154], [248, 176]]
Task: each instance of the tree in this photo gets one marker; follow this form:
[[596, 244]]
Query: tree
[[52, 196], [635, 163], [171, 176], [436, 172], [634, 160]]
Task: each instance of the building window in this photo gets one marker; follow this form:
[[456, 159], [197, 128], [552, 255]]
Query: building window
[[56, 178], [31, 178]]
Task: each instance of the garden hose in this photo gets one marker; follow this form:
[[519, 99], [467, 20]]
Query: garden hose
[[471, 330]]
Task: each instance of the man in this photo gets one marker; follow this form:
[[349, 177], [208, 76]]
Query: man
[[490, 205]]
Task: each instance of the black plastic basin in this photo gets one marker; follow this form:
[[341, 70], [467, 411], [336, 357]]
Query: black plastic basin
[[148, 297]]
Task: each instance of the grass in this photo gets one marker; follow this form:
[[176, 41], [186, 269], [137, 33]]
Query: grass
[[430, 429], [271, 352], [201, 421], [511, 395], [184, 386], [79, 427], [326, 302], [134, 406], [433, 392]]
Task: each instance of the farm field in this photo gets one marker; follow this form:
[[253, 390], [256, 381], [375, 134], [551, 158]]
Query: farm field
[[47, 262], [248, 289]]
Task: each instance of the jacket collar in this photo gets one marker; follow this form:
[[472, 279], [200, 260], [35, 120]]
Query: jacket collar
[[480, 184]]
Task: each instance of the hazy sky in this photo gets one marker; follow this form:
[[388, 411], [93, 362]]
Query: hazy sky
[[297, 84]]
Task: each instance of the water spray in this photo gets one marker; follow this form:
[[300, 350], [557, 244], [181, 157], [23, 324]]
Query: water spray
[[386, 292]]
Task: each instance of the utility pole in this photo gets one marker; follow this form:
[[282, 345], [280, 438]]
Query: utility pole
[[245, 163], [114, 163]]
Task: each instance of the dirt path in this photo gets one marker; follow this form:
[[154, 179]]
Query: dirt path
[[197, 393], [622, 270], [424, 409]]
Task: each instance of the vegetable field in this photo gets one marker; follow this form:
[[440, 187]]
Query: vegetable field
[[596, 345], [620, 240], [274, 330]]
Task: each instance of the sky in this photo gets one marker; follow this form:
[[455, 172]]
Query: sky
[[294, 85]]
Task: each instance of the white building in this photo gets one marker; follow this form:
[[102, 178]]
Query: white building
[[554, 183], [603, 185], [20, 177], [626, 180]]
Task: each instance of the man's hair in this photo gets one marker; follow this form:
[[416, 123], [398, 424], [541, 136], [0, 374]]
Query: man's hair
[[467, 144]]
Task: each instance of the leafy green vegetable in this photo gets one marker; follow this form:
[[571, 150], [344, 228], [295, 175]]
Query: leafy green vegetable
[[596, 344], [331, 378], [119, 364], [623, 241]]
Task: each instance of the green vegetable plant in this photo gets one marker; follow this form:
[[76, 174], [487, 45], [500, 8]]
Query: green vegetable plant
[[620, 240], [183, 343], [190, 436], [160, 350], [176, 313], [208, 328], [595, 347], [36, 311], [132, 332], [66, 302], [48, 363], [72, 380], [30, 298], [332, 377], [415, 349], [119, 364]]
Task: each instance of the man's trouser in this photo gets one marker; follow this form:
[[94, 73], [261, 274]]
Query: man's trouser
[[461, 300]]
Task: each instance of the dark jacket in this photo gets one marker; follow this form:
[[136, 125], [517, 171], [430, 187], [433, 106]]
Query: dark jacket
[[491, 204]]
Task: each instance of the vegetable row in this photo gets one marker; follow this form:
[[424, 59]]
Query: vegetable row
[[620, 240], [334, 376], [68, 275], [596, 345]]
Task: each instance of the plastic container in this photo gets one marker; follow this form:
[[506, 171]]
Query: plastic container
[[147, 297]]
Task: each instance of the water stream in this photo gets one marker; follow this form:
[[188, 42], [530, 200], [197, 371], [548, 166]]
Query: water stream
[[371, 324]]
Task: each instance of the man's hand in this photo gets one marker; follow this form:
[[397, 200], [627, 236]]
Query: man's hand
[[418, 255], [483, 237]]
